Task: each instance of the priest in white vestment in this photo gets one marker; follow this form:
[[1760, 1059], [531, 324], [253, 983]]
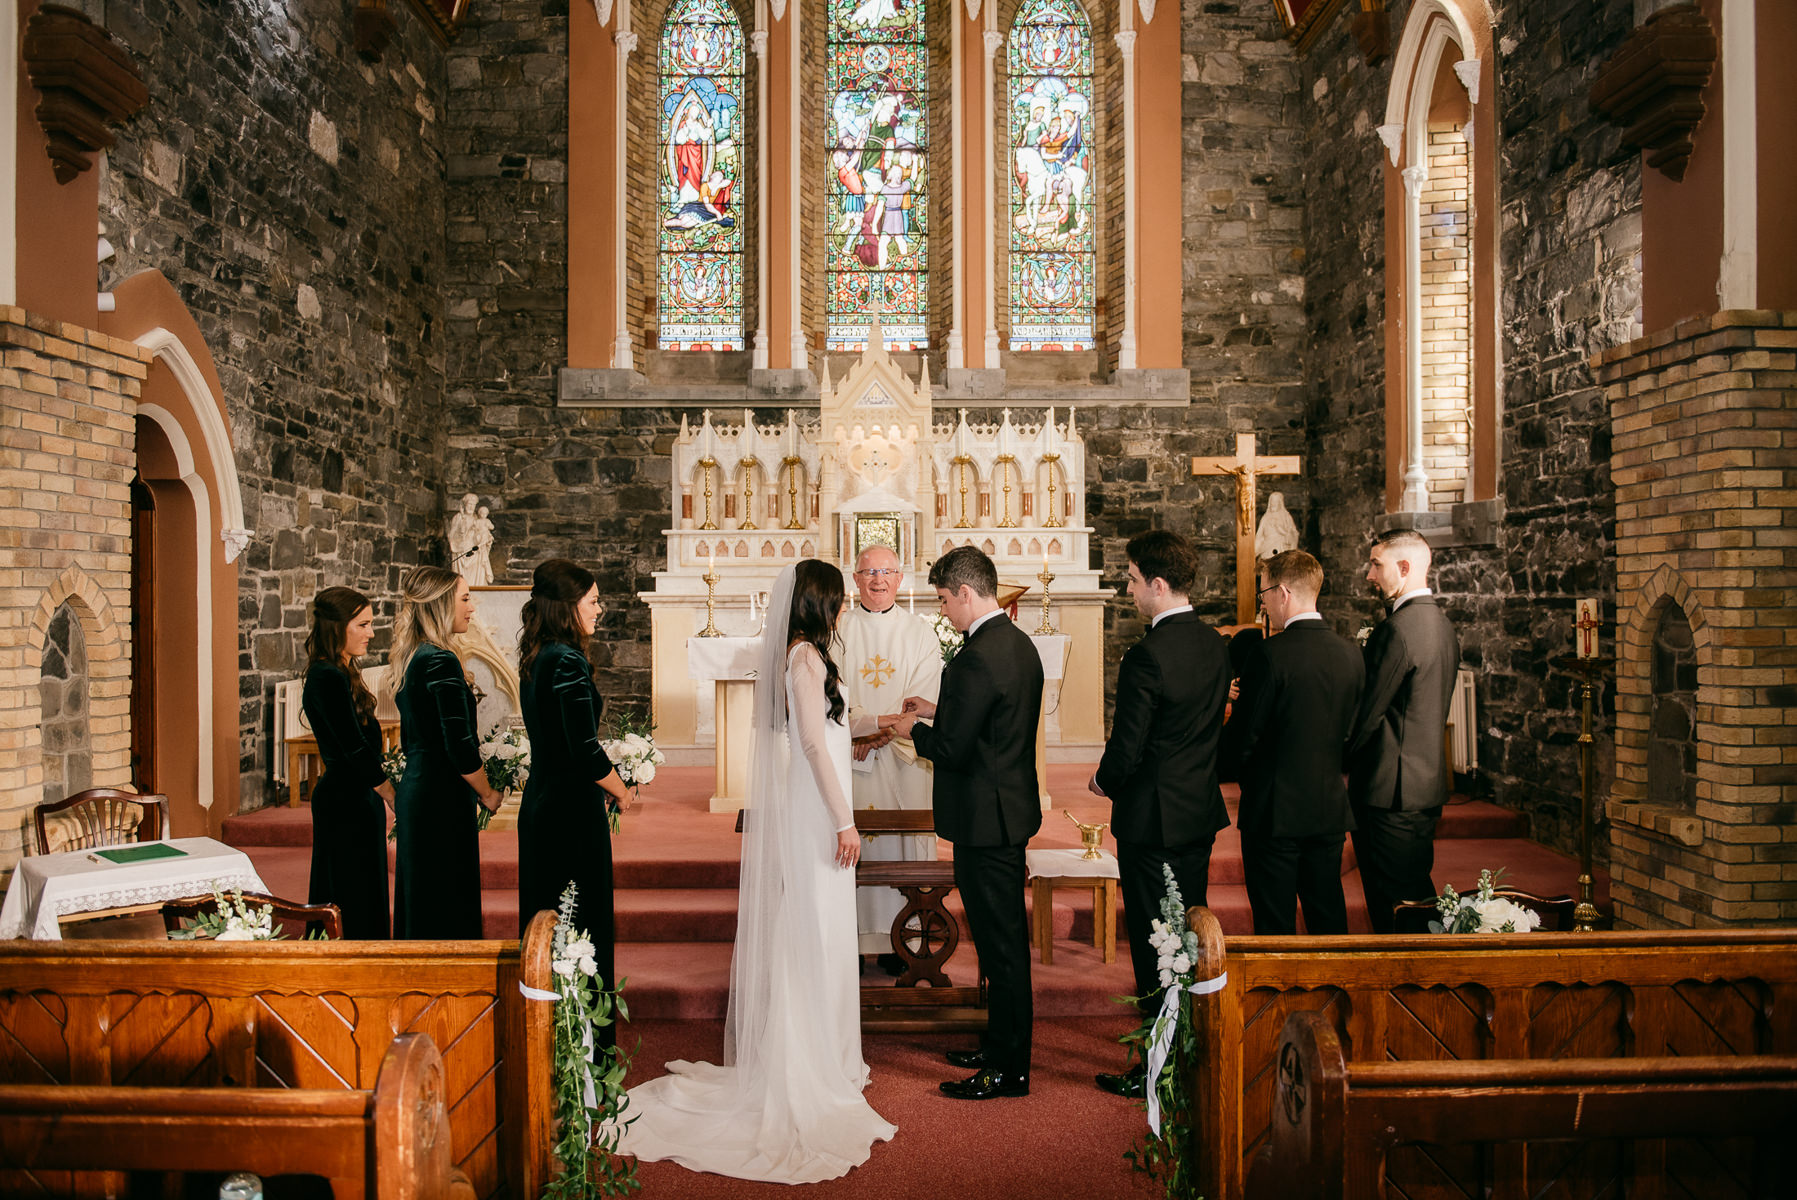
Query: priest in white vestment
[[888, 654]]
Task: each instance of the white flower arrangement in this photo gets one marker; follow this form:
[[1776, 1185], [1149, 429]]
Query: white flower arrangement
[[1167, 1043], [505, 754], [947, 636], [1483, 912], [1363, 633], [393, 762], [633, 752], [589, 1081], [235, 921]]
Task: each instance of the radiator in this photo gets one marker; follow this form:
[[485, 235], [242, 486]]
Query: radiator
[[1463, 716]]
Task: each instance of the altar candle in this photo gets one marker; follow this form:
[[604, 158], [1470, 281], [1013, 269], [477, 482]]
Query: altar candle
[[911, 600], [711, 562]]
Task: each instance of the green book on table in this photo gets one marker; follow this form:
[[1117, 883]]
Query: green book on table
[[142, 853]]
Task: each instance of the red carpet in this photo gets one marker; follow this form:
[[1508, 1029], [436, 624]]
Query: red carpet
[[1065, 1139], [675, 866]]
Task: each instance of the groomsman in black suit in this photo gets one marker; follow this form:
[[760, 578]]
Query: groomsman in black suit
[[1398, 772], [1159, 767], [1287, 743], [987, 802]]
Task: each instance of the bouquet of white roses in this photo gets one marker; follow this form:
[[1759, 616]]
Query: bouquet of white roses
[[947, 636], [1482, 913], [505, 754], [393, 763], [632, 751], [235, 921]]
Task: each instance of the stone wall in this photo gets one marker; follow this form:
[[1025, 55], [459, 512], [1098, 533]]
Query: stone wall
[[67, 446], [1705, 436], [293, 194], [1569, 199]]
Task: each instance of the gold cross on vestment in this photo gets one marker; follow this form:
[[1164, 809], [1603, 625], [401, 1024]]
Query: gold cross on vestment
[[877, 671], [1247, 467]]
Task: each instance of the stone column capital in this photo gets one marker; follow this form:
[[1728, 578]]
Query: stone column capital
[[1414, 178], [1126, 42], [993, 40], [626, 40], [758, 43]]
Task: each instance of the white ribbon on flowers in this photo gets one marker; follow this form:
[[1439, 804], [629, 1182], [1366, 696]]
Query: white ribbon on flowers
[[589, 1093], [1165, 1025]]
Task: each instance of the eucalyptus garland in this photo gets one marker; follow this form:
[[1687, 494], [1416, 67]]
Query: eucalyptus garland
[[588, 1080], [1166, 1152]]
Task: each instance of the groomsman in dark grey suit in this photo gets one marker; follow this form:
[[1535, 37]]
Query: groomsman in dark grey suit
[[1159, 767], [1287, 742], [1398, 774]]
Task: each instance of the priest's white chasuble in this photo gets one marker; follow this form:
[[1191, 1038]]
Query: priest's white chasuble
[[886, 657]]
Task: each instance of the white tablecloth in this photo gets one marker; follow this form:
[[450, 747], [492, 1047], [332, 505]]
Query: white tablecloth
[[1069, 864], [722, 657], [48, 886]]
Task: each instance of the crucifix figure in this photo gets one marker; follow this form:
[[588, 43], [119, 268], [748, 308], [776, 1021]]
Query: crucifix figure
[[1247, 467]]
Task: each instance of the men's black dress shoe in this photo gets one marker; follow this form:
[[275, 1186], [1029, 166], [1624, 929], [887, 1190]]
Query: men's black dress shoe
[[988, 1084], [1132, 1083], [967, 1060], [892, 964]]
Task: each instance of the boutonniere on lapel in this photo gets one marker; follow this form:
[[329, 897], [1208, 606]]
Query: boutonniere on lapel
[[1363, 633]]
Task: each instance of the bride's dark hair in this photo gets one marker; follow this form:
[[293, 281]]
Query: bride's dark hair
[[817, 598]]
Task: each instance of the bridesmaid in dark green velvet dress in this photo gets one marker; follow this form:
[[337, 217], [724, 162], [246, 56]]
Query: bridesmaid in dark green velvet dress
[[437, 880], [563, 833], [349, 801]]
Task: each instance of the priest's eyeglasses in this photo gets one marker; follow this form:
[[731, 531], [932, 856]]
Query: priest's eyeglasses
[[880, 573]]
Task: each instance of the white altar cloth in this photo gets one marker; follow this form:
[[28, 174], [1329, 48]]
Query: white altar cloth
[[48, 886]]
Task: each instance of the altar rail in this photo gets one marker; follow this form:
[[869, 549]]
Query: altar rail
[[390, 1143], [316, 1015], [1647, 993]]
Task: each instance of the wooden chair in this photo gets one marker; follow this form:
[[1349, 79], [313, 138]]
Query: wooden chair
[[287, 912], [1556, 912], [104, 817]]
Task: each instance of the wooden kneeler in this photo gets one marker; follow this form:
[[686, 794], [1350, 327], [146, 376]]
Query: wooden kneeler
[[924, 935]]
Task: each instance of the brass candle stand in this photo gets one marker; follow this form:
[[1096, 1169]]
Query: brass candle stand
[[792, 464], [705, 468], [961, 462], [748, 466], [1053, 520], [1588, 671], [1005, 464], [1047, 578], [711, 599]]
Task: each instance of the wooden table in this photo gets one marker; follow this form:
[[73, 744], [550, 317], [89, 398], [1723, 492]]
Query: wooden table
[[48, 888], [1050, 870], [302, 751]]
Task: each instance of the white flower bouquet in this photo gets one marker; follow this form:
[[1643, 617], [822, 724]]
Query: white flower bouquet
[[947, 636], [235, 921], [393, 762], [633, 752], [505, 756], [1483, 912], [1167, 1044]]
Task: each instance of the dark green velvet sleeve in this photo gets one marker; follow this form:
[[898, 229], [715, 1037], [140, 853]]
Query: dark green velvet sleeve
[[578, 711], [454, 702], [342, 737]]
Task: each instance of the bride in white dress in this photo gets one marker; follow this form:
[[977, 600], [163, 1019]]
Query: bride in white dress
[[786, 1105]]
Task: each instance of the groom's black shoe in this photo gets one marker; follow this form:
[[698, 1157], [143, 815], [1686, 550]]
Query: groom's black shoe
[[892, 964], [1132, 1083], [988, 1084], [967, 1060]]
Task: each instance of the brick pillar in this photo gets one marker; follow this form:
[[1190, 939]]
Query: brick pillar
[[68, 450], [1703, 422]]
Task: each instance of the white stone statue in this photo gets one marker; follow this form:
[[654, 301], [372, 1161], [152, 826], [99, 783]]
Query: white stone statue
[[1277, 532], [471, 542]]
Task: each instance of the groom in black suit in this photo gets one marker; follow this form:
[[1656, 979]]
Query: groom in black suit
[[987, 802], [1398, 774], [1159, 767], [1287, 743]]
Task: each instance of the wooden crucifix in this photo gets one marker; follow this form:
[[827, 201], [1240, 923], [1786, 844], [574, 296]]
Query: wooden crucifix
[[1247, 467]]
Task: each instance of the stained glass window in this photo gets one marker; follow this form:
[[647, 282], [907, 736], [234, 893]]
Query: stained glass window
[[699, 272], [1052, 237], [876, 221]]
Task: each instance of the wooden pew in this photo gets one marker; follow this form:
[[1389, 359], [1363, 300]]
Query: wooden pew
[[391, 1143], [1637, 993], [1335, 1123], [310, 1015]]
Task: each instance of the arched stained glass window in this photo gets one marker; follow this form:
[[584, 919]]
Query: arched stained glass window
[[878, 89], [699, 272], [1052, 236]]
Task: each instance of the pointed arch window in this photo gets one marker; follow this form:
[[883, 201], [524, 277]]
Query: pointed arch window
[[699, 270], [877, 80], [1051, 230]]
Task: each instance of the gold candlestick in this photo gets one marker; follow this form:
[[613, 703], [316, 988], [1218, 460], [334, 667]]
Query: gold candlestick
[[748, 466], [711, 598], [1588, 670], [961, 462], [1046, 578], [1004, 472], [792, 492], [1054, 514], [705, 466]]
